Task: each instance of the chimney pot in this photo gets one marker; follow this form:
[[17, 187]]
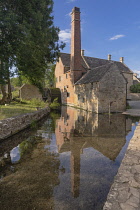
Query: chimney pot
[[76, 9], [121, 59], [82, 52], [109, 57]]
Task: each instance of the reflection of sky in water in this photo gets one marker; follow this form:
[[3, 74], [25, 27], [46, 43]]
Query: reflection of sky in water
[[45, 135], [52, 146], [131, 133], [15, 154]]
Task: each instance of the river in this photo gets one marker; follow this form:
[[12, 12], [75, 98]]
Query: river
[[67, 162]]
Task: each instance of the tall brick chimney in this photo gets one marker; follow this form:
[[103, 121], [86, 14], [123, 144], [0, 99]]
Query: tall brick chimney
[[75, 65]]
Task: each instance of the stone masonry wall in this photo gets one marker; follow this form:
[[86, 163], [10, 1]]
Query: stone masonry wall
[[129, 78], [135, 96], [125, 191], [86, 96], [13, 125], [28, 92], [112, 92]]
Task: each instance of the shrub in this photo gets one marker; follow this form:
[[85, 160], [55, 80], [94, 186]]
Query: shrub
[[135, 88], [55, 104]]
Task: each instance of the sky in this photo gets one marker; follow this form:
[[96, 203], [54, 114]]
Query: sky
[[107, 27]]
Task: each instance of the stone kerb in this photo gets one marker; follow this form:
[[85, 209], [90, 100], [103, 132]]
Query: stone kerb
[[125, 191], [13, 125]]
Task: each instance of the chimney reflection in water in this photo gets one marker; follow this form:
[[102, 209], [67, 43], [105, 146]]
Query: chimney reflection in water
[[77, 130]]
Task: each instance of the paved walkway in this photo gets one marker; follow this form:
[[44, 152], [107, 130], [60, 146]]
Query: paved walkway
[[134, 104], [125, 191], [135, 108]]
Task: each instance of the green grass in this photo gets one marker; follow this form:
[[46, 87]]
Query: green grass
[[15, 109]]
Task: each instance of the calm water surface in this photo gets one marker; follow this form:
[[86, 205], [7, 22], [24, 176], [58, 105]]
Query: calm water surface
[[67, 163]]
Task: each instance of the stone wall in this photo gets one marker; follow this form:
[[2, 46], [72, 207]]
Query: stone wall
[[28, 92], [129, 78], [135, 96], [112, 92], [125, 190], [86, 96], [13, 125], [109, 94]]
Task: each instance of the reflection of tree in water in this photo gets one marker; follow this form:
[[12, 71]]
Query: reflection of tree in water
[[31, 186]]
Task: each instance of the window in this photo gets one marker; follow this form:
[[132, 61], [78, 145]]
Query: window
[[66, 76], [78, 96], [59, 78], [68, 94], [83, 100], [68, 117]]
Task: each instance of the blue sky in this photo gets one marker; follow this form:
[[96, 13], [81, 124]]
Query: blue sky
[[107, 27]]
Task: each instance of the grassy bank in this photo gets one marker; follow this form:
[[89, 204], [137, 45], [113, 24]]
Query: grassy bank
[[15, 109]]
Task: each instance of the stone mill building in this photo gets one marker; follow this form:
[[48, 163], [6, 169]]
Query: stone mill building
[[93, 84]]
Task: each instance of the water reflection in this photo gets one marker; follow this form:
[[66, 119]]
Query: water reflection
[[102, 132], [69, 162], [15, 154], [93, 144]]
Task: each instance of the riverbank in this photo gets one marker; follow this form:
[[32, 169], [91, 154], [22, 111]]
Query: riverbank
[[10, 126], [125, 191]]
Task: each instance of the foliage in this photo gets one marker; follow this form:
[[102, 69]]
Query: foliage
[[16, 82], [37, 102], [28, 145], [41, 41], [50, 76], [33, 124], [15, 94], [29, 39], [55, 104], [135, 88]]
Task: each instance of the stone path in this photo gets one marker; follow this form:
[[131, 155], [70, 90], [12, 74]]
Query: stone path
[[135, 108], [134, 104], [125, 191]]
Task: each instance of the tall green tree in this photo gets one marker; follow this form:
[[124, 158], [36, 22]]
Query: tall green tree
[[29, 38], [40, 46], [9, 40], [50, 76]]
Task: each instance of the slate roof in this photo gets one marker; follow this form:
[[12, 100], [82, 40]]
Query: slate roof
[[94, 75], [65, 57], [92, 63]]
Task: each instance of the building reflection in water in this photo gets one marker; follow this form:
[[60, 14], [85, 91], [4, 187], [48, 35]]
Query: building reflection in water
[[78, 129]]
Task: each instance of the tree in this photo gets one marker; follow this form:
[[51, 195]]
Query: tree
[[29, 38], [50, 76], [41, 43]]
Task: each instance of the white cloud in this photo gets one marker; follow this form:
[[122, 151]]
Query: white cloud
[[69, 14], [71, 0], [117, 37], [65, 35]]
